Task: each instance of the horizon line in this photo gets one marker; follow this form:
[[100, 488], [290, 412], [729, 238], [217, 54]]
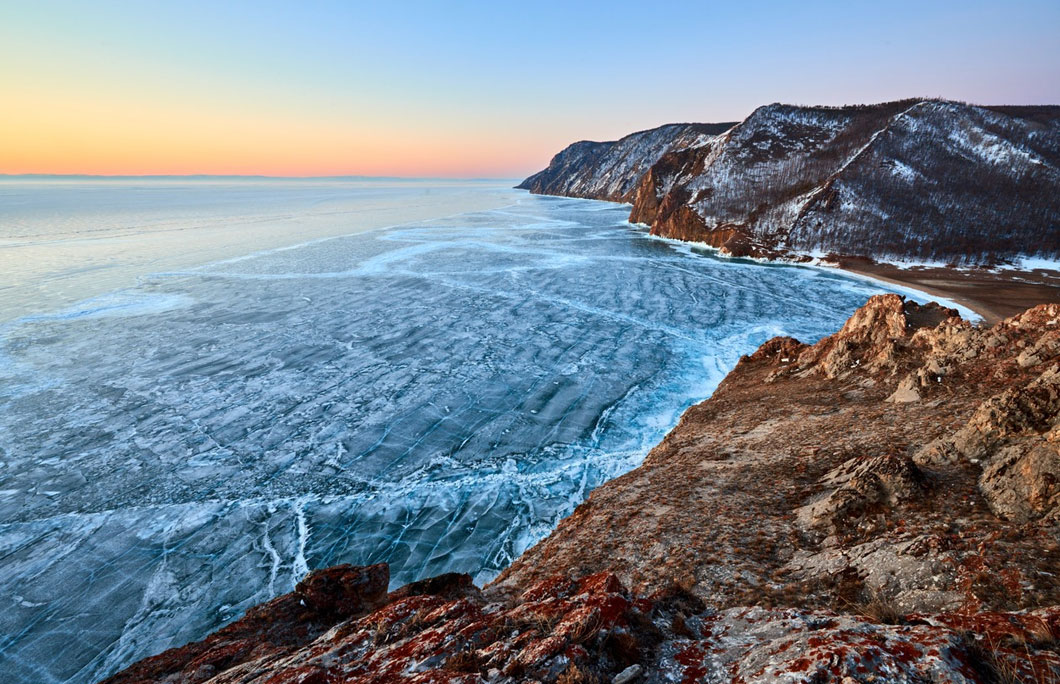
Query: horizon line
[[121, 176]]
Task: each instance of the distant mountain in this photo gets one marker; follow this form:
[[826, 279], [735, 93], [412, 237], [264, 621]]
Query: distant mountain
[[613, 170], [921, 180]]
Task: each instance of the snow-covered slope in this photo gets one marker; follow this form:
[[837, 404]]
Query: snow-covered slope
[[911, 180], [612, 170]]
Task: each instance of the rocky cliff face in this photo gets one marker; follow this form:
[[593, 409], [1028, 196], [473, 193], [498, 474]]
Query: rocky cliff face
[[910, 457], [883, 505], [918, 179], [613, 170]]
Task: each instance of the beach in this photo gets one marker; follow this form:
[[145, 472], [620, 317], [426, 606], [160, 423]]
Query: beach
[[993, 294]]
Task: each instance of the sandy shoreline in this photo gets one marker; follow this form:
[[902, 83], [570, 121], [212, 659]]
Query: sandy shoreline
[[992, 295]]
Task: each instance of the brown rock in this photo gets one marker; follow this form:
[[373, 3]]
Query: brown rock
[[345, 590], [859, 487], [451, 585], [799, 484]]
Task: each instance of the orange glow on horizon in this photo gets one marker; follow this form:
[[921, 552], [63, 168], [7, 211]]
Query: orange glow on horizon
[[74, 133]]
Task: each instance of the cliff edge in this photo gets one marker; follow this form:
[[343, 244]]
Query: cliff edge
[[883, 505]]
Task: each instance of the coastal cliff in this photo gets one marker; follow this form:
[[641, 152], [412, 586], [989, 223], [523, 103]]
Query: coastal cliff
[[883, 505], [613, 170], [915, 180]]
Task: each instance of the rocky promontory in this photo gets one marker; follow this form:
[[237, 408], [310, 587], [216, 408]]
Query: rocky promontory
[[883, 505], [914, 180]]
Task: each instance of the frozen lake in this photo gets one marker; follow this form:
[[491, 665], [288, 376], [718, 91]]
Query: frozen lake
[[436, 395], [64, 239]]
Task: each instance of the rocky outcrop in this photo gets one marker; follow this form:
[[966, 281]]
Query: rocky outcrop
[[283, 625], [344, 590], [915, 179], [1015, 436], [867, 499], [800, 525], [876, 339], [593, 630], [860, 485], [802, 481]]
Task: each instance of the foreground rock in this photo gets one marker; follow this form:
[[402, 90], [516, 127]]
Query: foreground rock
[[910, 458], [592, 630], [883, 505]]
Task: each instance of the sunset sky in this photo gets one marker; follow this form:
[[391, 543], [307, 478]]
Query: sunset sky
[[472, 89]]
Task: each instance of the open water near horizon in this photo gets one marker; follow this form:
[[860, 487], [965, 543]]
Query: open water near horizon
[[435, 395]]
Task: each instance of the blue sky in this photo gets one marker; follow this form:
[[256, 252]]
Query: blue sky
[[470, 88]]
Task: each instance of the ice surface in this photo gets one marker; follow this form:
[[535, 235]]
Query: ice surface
[[64, 240], [436, 395]]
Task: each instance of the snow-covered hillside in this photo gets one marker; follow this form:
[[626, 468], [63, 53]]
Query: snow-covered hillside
[[923, 180], [612, 170]]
